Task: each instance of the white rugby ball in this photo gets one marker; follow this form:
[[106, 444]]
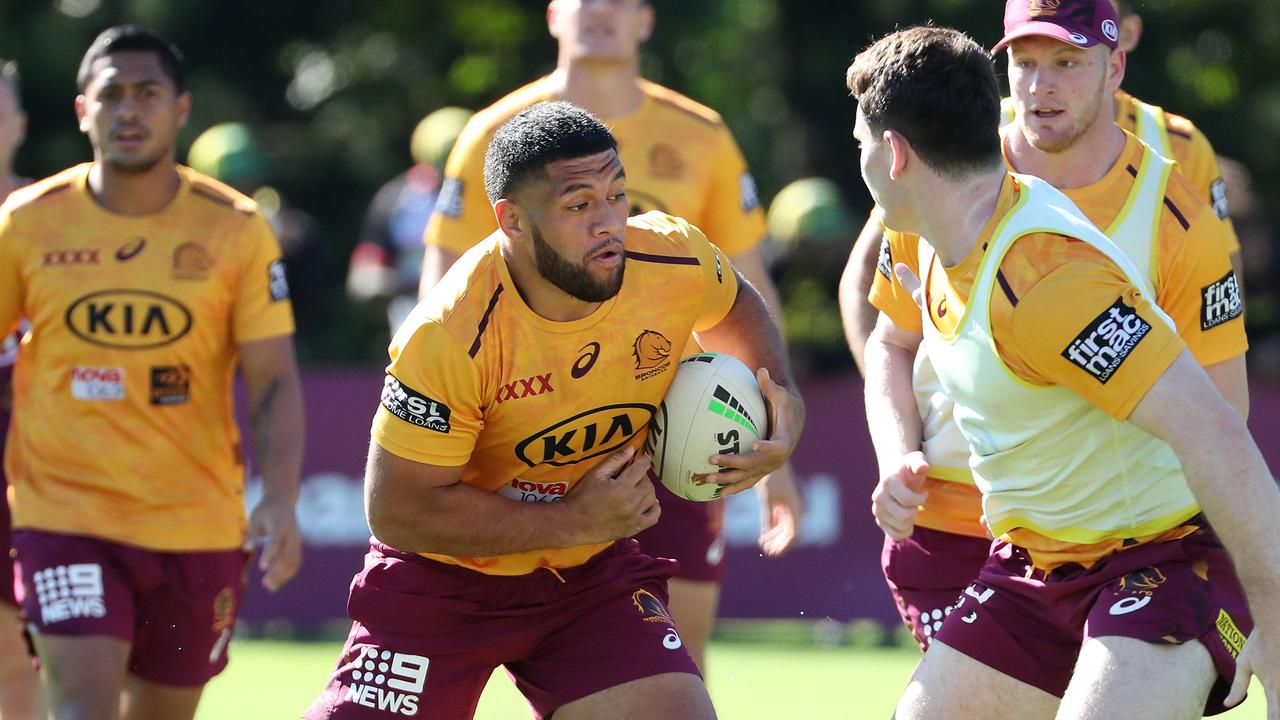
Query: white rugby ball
[[713, 406]]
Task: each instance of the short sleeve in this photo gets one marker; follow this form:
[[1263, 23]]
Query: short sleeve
[[462, 215], [732, 218], [1199, 164], [887, 294], [1086, 327], [430, 406], [262, 308], [719, 281], [1200, 293]]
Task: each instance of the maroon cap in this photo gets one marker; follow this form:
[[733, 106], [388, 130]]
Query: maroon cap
[[1083, 23]]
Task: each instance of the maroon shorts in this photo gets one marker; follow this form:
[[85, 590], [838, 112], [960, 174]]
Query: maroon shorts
[[176, 609], [691, 533], [926, 574], [1030, 625], [427, 635]]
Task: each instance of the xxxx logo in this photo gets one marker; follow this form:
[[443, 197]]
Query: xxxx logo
[[77, 256], [527, 387]]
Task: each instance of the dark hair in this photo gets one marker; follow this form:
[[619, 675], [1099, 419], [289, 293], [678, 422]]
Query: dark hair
[[9, 72], [123, 38], [937, 87], [537, 135]]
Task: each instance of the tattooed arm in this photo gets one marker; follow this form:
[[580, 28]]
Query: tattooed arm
[[276, 419]]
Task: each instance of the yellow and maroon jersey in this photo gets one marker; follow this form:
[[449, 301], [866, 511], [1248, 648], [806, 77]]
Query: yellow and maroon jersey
[[679, 156], [123, 425], [1186, 144], [528, 405]]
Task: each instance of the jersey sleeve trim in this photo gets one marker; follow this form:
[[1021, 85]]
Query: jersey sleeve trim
[[662, 259], [218, 199], [1177, 214]]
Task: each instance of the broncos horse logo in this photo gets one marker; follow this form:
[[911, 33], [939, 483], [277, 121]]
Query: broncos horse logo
[[651, 607], [1144, 580], [651, 350]]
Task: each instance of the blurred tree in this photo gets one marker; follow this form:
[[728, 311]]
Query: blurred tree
[[333, 88]]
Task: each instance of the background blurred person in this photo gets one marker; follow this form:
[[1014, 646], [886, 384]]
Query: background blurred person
[[146, 285], [19, 685], [1173, 136], [231, 153], [680, 159], [386, 265], [810, 233]]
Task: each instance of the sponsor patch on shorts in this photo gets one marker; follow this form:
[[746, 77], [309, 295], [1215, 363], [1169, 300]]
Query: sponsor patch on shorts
[[1220, 302], [1231, 636], [97, 383], [884, 263], [413, 407], [170, 384], [277, 283], [70, 591], [1218, 198], [388, 681], [449, 200], [1103, 346]]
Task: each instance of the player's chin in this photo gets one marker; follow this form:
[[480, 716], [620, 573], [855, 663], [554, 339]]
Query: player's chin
[[132, 161]]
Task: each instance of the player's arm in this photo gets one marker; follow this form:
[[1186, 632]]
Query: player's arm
[[276, 419], [1200, 291], [893, 417], [1236, 491], [462, 215], [11, 283], [419, 507], [858, 315], [747, 333], [436, 261], [750, 266]]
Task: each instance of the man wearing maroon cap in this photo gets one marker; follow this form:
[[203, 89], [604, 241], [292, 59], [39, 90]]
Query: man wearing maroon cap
[[1064, 67], [1107, 593]]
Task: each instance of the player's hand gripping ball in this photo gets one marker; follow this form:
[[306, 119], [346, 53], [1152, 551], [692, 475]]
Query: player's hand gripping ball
[[713, 406]]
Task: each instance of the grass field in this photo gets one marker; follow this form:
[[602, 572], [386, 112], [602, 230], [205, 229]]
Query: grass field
[[274, 680]]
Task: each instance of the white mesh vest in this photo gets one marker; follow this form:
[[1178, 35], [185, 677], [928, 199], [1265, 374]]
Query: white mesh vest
[[1044, 458], [1134, 230]]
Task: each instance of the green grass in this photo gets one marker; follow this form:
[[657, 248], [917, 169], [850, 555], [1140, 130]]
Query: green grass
[[270, 680]]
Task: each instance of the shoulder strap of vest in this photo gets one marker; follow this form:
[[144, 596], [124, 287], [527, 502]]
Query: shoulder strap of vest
[[1150, 127]]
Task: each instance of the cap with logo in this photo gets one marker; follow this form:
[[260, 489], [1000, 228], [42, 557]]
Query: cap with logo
[[1083, 23]]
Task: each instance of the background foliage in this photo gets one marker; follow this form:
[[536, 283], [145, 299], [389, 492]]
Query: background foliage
[[333, 88]]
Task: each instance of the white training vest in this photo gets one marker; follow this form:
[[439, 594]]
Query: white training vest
[[1134, 230], [1045, 458]]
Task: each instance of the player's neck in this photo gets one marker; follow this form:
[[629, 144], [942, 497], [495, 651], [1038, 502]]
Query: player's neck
[[973, 200], [1084, 163], [543, 298], [127, 193], [609, 90]]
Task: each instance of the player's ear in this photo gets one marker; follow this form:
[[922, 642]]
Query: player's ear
[[510, 219], [184, 108], [1130, 32], [1116, 63], [82, 117], [552, 17], [647, 20], [899, 150]]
